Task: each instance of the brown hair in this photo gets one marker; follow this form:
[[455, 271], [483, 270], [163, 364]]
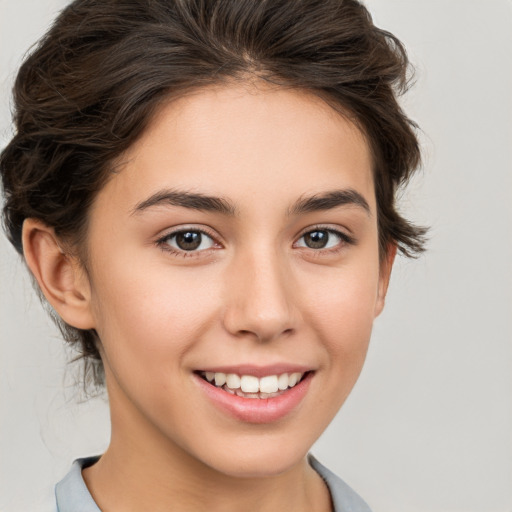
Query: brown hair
[[91, 86]]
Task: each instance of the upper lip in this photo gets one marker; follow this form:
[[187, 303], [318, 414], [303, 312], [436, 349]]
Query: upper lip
[[258, 371]]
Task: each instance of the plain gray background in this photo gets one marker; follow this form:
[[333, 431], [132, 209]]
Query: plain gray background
[[429, 424]]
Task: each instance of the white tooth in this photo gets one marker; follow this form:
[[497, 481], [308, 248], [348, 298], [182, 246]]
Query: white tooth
[[297, 376], [269, 384], [250, 384], [220, 379], [209, 376], [282, 381], [294, 377], [233, 380]]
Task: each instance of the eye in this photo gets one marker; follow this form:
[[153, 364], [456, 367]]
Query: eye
[[187, 240], [323, 239]]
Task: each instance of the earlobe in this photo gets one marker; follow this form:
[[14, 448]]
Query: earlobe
[[386, 266], [59, 275]]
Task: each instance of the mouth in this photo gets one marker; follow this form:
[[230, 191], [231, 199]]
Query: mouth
[[250, 386], [271, 395]]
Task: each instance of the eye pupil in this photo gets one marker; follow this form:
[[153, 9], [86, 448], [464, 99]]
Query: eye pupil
[[188, 240], [316, 239]]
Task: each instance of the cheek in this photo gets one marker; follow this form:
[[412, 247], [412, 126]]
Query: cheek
[[149, 315], [341, 310]]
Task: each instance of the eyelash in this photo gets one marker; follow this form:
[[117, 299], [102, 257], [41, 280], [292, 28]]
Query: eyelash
[[164, 246], [345, 239]]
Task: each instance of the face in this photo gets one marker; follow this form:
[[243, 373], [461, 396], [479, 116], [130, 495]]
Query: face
[[237, 242]]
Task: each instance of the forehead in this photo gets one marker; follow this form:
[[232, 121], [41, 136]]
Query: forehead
[[245, 141]]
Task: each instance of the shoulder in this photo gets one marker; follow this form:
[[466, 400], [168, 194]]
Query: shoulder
[[69, 495], [72, 493], [344, 498]]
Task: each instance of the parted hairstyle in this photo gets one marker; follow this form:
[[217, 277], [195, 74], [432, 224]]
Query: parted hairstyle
[[93, 83]]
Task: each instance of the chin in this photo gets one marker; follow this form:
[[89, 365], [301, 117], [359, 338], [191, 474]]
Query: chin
[[261, 458]]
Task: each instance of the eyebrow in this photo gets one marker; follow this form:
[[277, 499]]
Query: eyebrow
[[192, 200], [197, 201], [329, 200]]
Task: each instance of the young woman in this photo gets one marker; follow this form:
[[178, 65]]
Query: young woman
[[204, 192]]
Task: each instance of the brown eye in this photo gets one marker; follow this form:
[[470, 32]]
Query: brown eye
[[323, 239], [316, 239], [189, 240]]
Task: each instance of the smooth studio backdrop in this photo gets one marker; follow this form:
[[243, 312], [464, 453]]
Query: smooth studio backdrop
[[428, 427]]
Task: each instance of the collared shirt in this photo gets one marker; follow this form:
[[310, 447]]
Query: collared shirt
[[72, 495]]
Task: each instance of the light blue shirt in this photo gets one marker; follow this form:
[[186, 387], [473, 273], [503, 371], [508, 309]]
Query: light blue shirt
[[72, 495]]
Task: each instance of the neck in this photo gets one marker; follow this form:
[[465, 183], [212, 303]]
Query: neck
[[132, 481], [143, 470]]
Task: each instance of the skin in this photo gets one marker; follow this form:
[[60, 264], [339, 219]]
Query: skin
[[254, 293]]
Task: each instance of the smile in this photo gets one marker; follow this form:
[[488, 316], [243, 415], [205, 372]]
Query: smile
[[256, 395], [249, 386]]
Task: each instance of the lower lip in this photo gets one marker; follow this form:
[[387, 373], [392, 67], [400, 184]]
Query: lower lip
[[257, 410]]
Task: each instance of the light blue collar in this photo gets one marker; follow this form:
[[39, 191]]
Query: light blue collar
[[73, 496]]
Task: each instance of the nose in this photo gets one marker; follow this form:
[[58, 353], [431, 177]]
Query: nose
[[260, 302]]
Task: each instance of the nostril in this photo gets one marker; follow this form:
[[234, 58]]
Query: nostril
[[259, 316], [265, 335]]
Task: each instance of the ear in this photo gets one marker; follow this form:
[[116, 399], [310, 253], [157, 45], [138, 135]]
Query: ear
[[384, 274], [60, 276]]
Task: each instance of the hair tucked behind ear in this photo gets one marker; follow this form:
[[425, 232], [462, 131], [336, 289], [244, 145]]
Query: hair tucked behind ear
[[91, 86]]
